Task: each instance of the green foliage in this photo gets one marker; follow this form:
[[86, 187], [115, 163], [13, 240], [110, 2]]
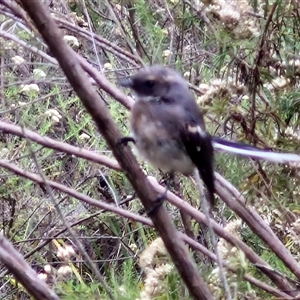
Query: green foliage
[[73, 290]]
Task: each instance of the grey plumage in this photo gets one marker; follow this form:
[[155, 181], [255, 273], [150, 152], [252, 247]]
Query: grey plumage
[[169, 131], [167, 125]]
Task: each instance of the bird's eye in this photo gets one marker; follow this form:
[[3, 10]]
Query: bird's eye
[[149, 83]]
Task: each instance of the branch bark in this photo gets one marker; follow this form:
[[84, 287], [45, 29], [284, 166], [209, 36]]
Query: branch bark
[[17, 265], [225, 191], [97, 109], [100, 204]]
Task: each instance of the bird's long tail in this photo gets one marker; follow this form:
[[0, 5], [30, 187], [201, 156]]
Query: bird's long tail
[[220, 144]]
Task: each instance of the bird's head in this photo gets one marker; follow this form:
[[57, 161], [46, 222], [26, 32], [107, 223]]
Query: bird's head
[[153, 82]]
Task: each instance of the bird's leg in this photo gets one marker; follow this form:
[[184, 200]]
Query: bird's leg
[[158, 203], [125, 140], [160, 199]]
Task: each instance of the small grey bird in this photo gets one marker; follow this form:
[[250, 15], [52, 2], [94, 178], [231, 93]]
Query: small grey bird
[[167, 125], [169, 132]]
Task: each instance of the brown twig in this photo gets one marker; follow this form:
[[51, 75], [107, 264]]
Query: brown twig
[[262, 285], [59, 146], [246, 214], [255, 76], [282, 283], [17, 265], [257, 224], [97, 109], [100, 204], [100, 41], [175, 200]]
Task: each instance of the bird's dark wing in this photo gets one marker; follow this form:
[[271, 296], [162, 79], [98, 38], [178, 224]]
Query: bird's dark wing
[[253, 152], [199, 147]]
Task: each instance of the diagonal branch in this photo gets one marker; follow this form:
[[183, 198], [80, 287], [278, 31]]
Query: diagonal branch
[[108, 207], [96, 107], [249, 215], [254, 258], [17, 265]]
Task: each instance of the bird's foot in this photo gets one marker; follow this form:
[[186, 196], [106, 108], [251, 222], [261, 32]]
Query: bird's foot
[[158, 203], [125, 140], [168, 179]]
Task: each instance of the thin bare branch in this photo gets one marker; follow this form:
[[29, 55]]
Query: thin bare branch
[[17, 265], [95, 106]]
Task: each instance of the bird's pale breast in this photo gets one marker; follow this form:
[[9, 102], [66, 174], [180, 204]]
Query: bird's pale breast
[[155, 144]]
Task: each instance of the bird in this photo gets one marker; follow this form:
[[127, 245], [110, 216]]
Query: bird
[[167, 126], [168, 129]]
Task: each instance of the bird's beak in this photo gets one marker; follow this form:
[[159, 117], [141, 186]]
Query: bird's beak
[[126, 82]]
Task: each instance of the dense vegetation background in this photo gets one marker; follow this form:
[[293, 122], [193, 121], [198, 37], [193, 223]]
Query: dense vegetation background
[[242, 60]]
